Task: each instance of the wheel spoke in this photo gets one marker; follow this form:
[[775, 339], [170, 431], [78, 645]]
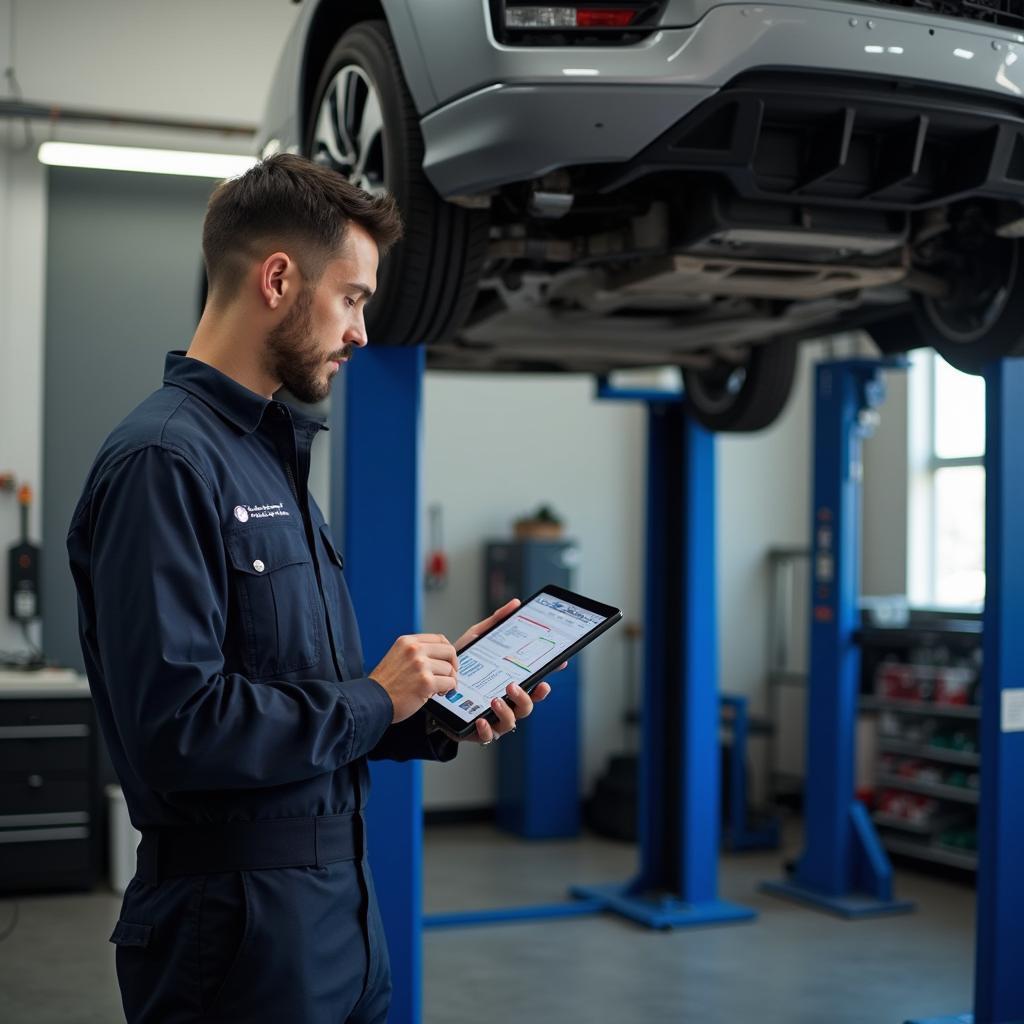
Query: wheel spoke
[[350, 98], [370, 127], [328, 134], [350, 128], [352, 91]]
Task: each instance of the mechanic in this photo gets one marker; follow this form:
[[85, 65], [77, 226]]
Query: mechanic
[[220, 640]]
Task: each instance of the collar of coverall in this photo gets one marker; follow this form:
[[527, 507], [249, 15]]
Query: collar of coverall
[[237, 404]]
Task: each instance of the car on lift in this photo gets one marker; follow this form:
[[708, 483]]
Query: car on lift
[[596, 185]]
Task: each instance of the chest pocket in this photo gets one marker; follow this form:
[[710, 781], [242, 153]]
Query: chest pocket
[[280, 608]]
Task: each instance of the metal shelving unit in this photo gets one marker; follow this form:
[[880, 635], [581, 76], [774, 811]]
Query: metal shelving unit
[[967, 758], [905, 825], [958, 794], [932, 851], [914, 646], [921, 707], [788, 614]]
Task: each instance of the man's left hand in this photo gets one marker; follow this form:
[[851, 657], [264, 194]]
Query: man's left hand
[[521, 702]]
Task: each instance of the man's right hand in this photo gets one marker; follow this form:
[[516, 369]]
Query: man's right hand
[[416, 667]]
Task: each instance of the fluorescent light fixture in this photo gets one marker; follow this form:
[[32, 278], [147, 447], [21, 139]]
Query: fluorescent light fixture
[[963, 54], [580, 71], [874, 49], [894, 49], [148, 161]]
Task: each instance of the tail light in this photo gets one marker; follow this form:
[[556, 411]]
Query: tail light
[[568, 17], [590, 21]]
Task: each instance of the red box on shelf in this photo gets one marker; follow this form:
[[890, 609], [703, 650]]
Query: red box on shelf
[[895, 681]]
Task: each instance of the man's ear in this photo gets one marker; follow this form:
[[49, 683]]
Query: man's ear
[[276, 273]]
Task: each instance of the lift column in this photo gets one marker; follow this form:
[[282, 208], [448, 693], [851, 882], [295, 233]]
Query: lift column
[[998, 978], [377, 438], [680, 807], [843, 868]]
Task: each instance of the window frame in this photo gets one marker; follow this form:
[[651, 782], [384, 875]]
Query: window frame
[[924, 464]]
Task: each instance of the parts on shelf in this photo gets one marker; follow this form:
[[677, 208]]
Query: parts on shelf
[[924, 733], [958, 685], [928, 773], [924, 680]]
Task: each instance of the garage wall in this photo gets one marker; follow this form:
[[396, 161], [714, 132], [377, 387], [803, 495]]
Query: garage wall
[[22, 257], [123, 264], [497, 447]]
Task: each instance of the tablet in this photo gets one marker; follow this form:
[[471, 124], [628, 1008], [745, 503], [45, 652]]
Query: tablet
[[536, 638]]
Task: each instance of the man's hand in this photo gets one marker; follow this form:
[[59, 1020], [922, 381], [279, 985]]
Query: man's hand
[[522, 702], [416, 667]]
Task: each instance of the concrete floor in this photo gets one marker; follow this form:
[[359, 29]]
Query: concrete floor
[[791, 966]]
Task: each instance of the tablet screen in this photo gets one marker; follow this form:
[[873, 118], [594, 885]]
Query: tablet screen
[[521, 646]]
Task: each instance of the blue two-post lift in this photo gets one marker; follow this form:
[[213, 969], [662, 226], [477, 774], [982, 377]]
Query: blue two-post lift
[[843, 868], [375, 506], [679, 779], [999, 946]]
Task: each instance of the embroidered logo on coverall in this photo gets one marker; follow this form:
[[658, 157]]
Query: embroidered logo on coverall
[[243, 513]]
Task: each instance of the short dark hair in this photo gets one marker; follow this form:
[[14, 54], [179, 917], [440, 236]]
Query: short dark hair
[[288, 201]]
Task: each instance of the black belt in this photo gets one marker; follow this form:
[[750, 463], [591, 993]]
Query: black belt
[[249, 846]]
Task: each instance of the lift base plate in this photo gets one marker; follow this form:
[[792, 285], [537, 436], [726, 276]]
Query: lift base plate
[[662, 912], [851, 906]]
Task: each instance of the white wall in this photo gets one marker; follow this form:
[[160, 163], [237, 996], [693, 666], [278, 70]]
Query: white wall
[[763, 502], [496, 447], [22, 270]]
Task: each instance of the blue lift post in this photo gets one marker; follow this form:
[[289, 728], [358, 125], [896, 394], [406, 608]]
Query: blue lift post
[[376, 502], [377, 499], [677, 884], [998, 979], [843, 868]]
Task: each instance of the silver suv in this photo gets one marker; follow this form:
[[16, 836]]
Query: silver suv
[[606, 184]]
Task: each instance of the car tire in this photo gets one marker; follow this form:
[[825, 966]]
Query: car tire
[[427, 284], [981, 321], [742, 398]]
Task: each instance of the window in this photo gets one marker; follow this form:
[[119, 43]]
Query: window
[[947, 499]]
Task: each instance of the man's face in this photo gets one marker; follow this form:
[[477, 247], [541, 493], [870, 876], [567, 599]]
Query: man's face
[[325, 324]]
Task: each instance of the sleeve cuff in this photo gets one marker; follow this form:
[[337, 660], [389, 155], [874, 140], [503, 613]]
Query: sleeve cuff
[[372, 712], [442, 747]]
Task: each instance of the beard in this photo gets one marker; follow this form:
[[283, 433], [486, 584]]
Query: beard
[[293, 356]]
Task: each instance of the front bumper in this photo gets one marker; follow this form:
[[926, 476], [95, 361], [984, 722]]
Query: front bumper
[[584, 106]]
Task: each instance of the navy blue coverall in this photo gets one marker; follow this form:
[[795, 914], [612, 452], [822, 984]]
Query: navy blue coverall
[[224, 660]]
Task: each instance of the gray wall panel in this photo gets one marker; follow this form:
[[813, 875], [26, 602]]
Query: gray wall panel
[[123, 256]]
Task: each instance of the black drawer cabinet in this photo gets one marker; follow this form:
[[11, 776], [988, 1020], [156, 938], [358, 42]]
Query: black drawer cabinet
[[47, 793]]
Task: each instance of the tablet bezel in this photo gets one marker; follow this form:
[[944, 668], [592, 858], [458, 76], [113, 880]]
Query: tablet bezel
[[459, 727]]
